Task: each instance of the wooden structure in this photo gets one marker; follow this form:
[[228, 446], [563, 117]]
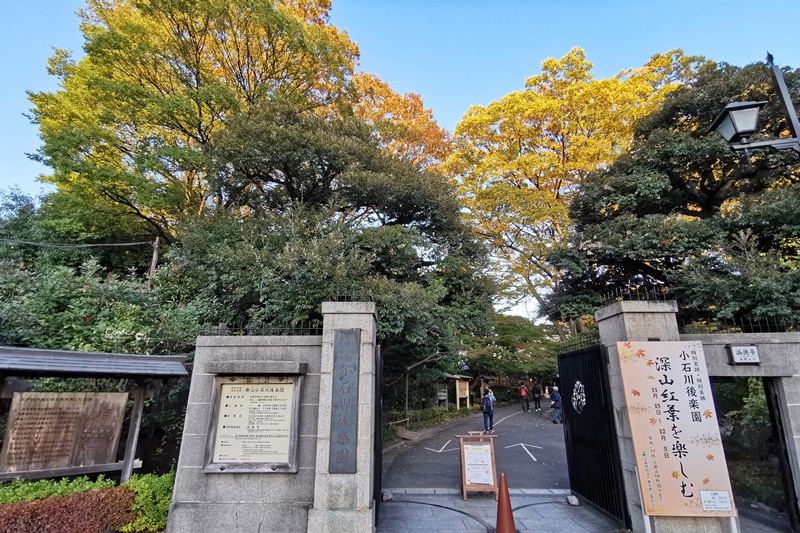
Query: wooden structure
[[478, 469], [462, 388], [462, 391], [31, 363]]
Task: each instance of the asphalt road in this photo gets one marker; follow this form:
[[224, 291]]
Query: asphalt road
[[529, 449]]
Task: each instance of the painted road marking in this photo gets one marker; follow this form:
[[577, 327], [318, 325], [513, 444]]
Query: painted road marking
[[525, 447], [507, 417], [442, 449]]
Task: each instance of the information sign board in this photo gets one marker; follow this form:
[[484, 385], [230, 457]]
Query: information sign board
[[254, 423], [478, 472], [48, 430], [462, 391], [676, 438], [254, 427]]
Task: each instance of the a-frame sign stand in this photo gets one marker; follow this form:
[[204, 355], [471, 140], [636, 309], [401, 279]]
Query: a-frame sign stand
[[478, 471]]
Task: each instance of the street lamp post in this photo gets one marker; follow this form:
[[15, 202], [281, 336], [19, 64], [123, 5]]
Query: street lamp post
[[739, 120]]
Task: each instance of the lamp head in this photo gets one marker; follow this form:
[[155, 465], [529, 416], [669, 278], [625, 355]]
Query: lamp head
[[737, 121]]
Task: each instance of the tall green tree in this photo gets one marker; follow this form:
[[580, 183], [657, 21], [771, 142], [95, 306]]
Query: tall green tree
[[312, 207], [683, 210], [515, 348], [132, 120], [519, 160]]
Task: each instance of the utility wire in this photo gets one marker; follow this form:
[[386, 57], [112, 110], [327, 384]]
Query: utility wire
[[69, 246]]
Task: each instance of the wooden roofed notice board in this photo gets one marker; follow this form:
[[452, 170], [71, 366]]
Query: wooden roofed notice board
[[676, 438], [478, 470], [462, 391], [49, 430]]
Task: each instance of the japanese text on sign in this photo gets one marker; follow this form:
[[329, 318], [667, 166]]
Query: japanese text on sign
[[254, 423], [674, 428], [344, 408], [62, 429]]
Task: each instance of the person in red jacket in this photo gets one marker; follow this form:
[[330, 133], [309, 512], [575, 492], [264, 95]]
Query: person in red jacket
[[523, 396]]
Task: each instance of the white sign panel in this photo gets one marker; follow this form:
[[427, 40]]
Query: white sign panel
[[715, 500], [254, 423], [478, 463], [745, 355]]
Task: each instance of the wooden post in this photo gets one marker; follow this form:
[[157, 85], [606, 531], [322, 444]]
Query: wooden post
[[153, 263], [133, 430], [407, 394]]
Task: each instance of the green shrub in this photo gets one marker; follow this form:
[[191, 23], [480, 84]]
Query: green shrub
[[23, 490], [95, 511], [423, 418], [153, 495]]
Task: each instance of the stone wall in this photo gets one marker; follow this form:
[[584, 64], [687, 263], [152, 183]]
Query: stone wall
[[780, 369], [318, 497], [244, 503], [642, 321]]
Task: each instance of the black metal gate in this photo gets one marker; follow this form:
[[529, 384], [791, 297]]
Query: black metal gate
[[595, 472], [377, 473]]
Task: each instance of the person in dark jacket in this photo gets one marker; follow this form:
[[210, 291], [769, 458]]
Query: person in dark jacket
[[487, 407], [537, 395], [555, 403]]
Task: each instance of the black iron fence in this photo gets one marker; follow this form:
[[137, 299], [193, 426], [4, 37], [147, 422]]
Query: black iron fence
[[224, 329], [593, 461], [739, 325]]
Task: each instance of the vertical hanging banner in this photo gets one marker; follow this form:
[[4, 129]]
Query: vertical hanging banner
[[344, 407], [682, 468]]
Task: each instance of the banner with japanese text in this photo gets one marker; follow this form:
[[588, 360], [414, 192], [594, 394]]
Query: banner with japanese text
[[682, 468]]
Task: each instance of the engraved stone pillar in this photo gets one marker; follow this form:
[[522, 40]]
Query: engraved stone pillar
[[642, 321], [343, 485]]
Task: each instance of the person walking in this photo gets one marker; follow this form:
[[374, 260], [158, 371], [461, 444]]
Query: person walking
[[537, 397], [523, 396], [555, 403], [487, 408]]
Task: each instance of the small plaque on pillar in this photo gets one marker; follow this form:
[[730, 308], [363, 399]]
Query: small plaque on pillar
[[344, 407], [743, 355], [254, 427]]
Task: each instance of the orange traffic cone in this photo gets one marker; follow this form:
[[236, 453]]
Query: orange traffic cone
[[505, 518]]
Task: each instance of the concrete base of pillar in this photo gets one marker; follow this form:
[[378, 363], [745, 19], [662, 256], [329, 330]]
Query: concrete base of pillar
[[341, 521]]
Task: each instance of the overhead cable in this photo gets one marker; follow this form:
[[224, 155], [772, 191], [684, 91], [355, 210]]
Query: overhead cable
[[69, 246]]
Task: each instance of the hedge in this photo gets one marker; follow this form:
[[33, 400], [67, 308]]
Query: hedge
[[95, 511]]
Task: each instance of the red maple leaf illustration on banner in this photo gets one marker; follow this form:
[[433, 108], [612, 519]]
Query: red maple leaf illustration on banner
[[636, 392], [654, 421], [640, 353], [706, 481], [626, 344], [707, 413], [650, 362], [710, 457]]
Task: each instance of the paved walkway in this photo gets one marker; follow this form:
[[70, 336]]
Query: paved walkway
[[445, 511]]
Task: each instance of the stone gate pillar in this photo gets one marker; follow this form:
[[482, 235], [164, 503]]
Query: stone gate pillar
[[642, 321], [343, 483], [311, 399]]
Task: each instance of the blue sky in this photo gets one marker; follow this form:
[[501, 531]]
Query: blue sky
[[454, 53]]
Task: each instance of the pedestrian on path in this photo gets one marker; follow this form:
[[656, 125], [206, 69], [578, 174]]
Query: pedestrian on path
[[523, 395], [555, 403], [537, 397], [487, 407]]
